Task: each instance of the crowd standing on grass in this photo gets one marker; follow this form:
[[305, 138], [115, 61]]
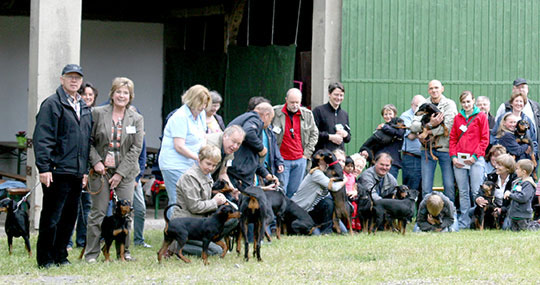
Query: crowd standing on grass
[[274, 147]]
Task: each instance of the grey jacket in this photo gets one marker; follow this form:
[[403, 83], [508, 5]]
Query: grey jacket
[[314, 185], [130, 144], [446, 217], [369, 178], [216, 139], [521, 198], [448, 108], [309, 131]]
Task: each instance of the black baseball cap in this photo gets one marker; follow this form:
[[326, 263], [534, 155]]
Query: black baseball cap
[[72, 68], [519, 81]]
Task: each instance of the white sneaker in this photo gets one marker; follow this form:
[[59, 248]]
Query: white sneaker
[[91, 260]]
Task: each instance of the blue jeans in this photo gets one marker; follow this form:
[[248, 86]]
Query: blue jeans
[[170, 177], [139, 210], [394, 170], [292, 175], [468, 182], [428, 172], [411, 171]]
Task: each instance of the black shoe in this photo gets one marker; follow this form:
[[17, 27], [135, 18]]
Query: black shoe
[[46, 265], [64, 262]]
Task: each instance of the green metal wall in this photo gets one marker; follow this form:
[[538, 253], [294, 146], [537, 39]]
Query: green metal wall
[[391, 49]]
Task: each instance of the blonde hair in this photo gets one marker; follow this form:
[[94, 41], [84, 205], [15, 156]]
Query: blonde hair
[[359, 161], [525, 165], [210, 152], [502, 128], [434, 204], [121, 82], [196, 97], [507, 161]]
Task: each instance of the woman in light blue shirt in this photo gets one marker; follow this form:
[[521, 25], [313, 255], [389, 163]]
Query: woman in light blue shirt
[[183, 136]]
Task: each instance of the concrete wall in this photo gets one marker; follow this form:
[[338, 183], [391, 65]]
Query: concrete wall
[[108, 49]]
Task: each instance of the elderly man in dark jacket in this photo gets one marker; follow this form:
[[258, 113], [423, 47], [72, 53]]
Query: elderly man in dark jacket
[[247, 159], [61, 147]]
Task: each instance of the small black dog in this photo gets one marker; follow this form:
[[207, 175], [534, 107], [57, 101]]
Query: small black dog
[[523, 138], [426, 110], [484, 217], [207, 230], [278, 200], [297, 221], [115, 228], [17, 223], [253, 209], [379, 139], [399, 209]]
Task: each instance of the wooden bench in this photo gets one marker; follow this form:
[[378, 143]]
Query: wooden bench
[[13, 176]]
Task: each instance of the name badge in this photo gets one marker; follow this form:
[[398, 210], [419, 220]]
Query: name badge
[[131, 130], [276, 130], [518, 188], [229, 163], [339, 127], [463, 128]]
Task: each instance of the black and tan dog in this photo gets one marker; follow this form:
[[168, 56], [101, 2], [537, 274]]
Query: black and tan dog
[[207, 230], [429, 141], [297, 221], [523, 138], [379, 139], [278, 201], [17, 224], [115, 228], [484, 216], [342, 207], [401, 210]]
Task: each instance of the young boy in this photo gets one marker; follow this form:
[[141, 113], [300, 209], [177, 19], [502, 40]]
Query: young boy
[[521, 195]]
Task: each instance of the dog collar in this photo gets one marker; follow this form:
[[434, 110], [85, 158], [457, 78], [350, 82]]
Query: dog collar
[[333, 163]]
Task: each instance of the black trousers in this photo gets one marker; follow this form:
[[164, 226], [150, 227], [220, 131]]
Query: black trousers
[[322, 215], [58, 216]]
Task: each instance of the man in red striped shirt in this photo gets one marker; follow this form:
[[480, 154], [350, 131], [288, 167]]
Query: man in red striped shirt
[[297, 136]]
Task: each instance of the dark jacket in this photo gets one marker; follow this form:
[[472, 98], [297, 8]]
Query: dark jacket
[[220, 122], [493, 177], [446, 216], [273, 152], [326, 119], [61, 140], [508, 140], [393, 148], [521, 200], [246, 158]]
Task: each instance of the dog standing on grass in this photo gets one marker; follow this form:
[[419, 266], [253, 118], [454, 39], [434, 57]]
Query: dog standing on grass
[[17, 223]]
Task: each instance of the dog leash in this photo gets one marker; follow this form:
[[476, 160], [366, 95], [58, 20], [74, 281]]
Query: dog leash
[[25, 197]]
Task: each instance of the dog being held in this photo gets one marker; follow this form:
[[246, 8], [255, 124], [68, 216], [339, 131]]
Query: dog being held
[[484, 216], [209, 229], [522, 137], [379, 139], [401, 210], [427, 110], [115, 228], [17, 223]]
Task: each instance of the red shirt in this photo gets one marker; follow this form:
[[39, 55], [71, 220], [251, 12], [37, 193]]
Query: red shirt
[[475, 140], [291, 149]]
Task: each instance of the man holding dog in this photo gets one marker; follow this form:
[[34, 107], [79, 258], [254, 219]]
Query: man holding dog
[[61, 147], [297, 136], [439, 127], [378, 179]]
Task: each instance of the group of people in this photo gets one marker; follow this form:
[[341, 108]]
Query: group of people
[[101, 148]]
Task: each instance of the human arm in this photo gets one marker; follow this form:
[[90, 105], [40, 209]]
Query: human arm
[[180, 147], [45, 138], [508, 140], [523, 196], [449, 112], [313, 136]]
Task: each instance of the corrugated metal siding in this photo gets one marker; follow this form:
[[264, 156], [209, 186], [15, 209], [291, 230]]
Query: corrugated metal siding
[[392, 49]]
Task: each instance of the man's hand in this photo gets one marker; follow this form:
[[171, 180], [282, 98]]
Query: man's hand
[[99, 168], [220, 199], [431, 220], [46, 178], [342, 133], [263, 152], [84, 180], [280, 169], [115, 180], [336, 139], [436, 119], [364, 154]]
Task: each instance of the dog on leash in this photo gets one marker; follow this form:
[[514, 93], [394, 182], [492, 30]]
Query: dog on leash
[[17, 223], [401, 210], [115, 228], [427, 110], [484, 216], [207, 230]]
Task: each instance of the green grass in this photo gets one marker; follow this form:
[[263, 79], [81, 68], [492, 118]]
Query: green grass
[[464, 257]]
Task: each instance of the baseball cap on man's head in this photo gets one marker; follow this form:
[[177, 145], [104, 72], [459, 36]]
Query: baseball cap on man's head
[[519, 81], [72, 68]]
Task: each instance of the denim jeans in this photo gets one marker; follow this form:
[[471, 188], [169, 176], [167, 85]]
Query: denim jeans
[[428, 173], [170, 177], [468, 182], [394, 170], [139, 214], [292, 175], [411, 171]]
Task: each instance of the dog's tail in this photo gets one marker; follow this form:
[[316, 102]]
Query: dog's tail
[[167, 209], [371, 190]]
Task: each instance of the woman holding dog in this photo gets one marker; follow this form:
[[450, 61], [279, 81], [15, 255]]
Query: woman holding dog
[[389, 112], [469, 139], [117, 138], [506, 138]]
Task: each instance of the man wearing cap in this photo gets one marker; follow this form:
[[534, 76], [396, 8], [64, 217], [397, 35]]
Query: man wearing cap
[[531, 108], [61, 147]]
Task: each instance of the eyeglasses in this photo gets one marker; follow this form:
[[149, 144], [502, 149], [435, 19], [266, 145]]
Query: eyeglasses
[[73, 77]]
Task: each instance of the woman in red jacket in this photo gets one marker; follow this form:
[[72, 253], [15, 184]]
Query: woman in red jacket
[[469, 139]]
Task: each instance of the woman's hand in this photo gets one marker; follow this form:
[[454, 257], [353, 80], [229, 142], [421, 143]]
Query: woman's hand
[[352, 194], [115, 180], [470, 160], [365, 154], [496, 212], [380, 126], [99, 168], [506, 194], [481, 202], [456, 163], [220, 199]]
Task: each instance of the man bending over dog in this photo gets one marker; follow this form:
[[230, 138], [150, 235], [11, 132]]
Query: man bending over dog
[[436, 213], [193, 193], [379, 175]]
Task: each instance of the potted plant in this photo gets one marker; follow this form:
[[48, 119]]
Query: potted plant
[[21, 138]]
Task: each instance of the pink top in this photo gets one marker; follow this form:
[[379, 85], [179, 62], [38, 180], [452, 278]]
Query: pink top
[[351, 180]]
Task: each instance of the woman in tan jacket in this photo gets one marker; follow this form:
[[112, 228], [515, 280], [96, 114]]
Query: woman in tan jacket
[[117, 137]]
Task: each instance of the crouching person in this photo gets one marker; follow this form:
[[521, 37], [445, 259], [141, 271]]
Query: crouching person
[[194, 195], [436, 213]]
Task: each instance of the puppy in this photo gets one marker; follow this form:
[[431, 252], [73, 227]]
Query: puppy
[[379, 138], [484, 217], [426, 110], [207, 230], [17, 223], [401, 210], [523, 138]]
